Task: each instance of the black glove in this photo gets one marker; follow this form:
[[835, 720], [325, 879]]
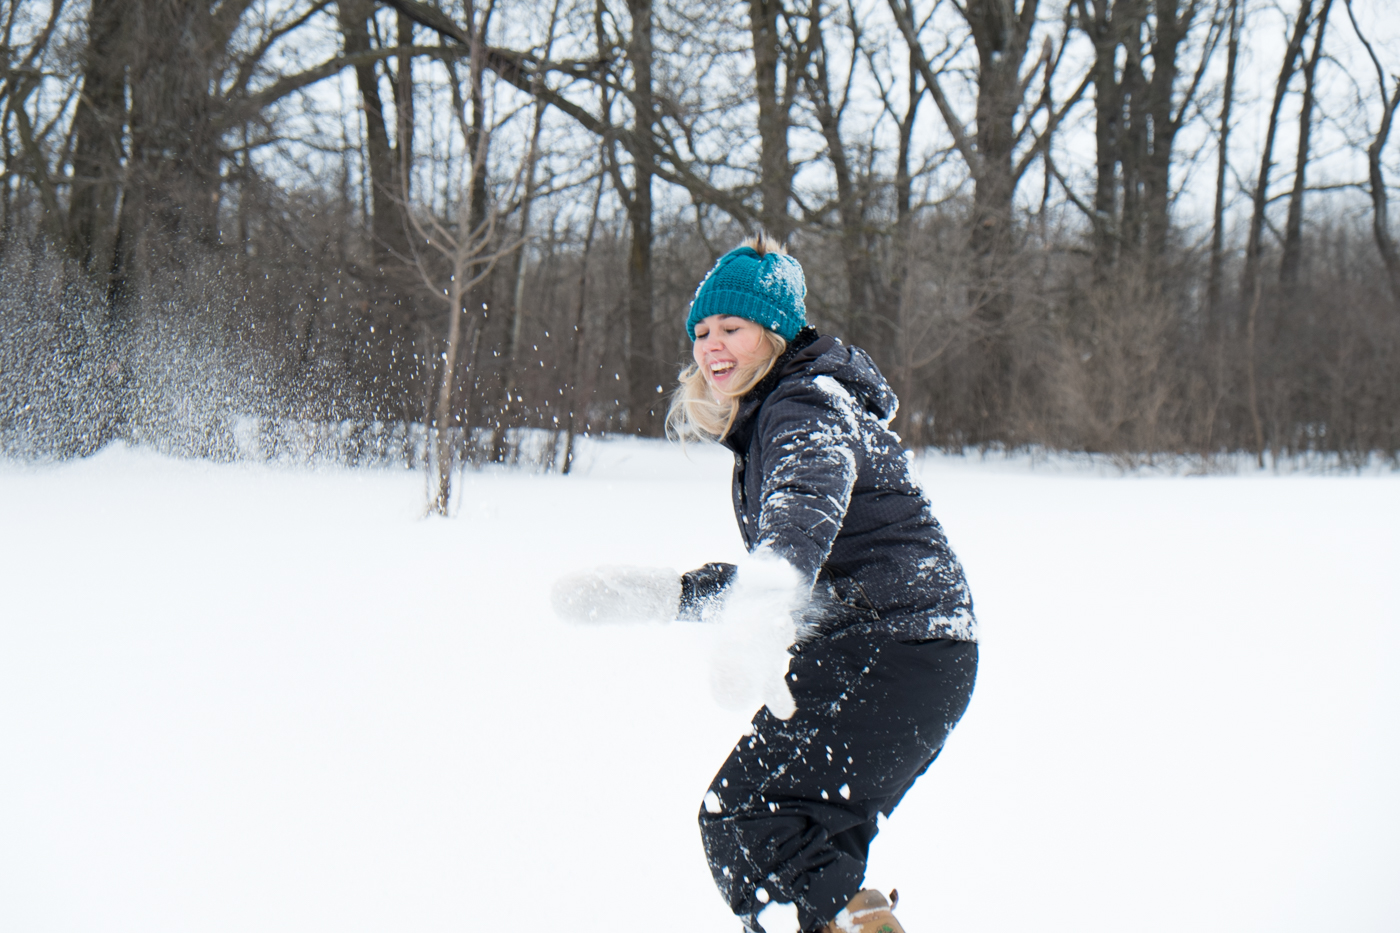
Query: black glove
[[704, 588]]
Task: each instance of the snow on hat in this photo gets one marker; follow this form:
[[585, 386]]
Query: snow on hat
[[766, 288]]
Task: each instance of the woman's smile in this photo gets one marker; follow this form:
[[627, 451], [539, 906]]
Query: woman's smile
[[724, 344]]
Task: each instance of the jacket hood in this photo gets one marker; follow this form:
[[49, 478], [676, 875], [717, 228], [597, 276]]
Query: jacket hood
[[810, 354], [854, 369]]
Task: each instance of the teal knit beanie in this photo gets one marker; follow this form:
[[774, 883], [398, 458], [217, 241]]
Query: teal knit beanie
[[766, 289]]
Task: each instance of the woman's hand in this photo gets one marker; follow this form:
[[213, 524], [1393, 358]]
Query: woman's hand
[[703, 589], [753, 608]]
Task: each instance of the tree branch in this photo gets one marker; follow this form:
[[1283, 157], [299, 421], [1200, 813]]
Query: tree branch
[[905, 18], [526, 73]]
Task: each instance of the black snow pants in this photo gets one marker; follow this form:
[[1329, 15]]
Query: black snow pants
[[791, 814]]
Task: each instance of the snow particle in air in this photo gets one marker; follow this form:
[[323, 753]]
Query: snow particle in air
[[712, 804], [844, 790]]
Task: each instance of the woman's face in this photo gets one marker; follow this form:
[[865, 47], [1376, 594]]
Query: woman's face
[[726, 345]]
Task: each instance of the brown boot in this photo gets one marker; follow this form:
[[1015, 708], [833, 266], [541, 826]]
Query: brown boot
[[868, 912]]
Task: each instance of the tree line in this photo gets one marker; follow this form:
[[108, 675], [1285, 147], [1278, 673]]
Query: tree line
[[1138, 227]]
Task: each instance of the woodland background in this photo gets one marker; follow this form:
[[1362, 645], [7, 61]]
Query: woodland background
[[449, 232]]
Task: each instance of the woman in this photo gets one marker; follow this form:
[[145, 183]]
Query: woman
[[886, 664]]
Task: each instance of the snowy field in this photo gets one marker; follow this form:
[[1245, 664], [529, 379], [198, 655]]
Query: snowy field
[[241, 698]]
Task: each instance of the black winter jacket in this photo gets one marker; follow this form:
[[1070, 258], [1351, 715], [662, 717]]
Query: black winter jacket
[[822, 481]]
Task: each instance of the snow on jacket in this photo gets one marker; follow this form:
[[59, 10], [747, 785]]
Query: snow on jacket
[[822, 481]]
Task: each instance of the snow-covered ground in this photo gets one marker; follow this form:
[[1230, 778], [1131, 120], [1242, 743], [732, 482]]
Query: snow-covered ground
[[242, 698]]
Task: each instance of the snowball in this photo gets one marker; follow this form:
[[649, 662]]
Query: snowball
[[754, 630], [618, 594]]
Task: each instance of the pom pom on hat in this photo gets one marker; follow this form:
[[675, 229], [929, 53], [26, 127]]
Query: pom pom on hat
[[766, 288]]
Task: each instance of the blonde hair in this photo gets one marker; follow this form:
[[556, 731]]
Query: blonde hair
[[764, 243], [698, 411]]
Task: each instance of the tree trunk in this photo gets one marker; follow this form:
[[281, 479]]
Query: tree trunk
[[1380, 214], [1132, 145], [1255, 245], [1251, 380], [175, 147], [1222, 164], [1293, 230], [99, 123], [471, 260], [775, 172], [517, 310], [1108, 25], [387, 229], [1164, 115], [403, 119], [1380, 200], [898, 288], [643, 369], [442, 454], [478, 141], [1002, 36], [575, 397], [527, 201], [871, 327]]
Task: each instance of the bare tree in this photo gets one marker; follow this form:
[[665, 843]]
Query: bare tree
[[911, 359], [1222, 164], [575, 400], [22, 81], [663, 152], [864, 306], [1165, 111], [152, 124], [643, 364], [470, 246], [386, 176], [780, 57], [1380, 196], [997, 155], [1254, 247], [527, 203], [1293, 229], [1112, 26], [650, 154], [98, 127], [1139, 112]]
